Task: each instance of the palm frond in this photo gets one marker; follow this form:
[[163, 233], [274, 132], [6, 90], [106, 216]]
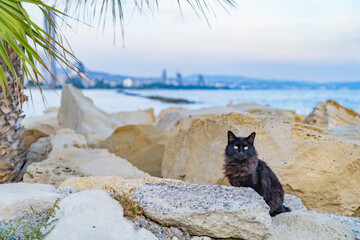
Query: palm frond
[[86, 10], [19, 33], [28, 40]]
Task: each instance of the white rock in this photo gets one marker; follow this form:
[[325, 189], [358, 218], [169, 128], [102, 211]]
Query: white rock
[[350, 133], [94, 215], [49, 118], [16, 199], [332, 114], [114, 184], [80, 114], [136, 117], [210, 210], [38, 151], [70, 157], [173, 118], [300, 225], [352, 223]]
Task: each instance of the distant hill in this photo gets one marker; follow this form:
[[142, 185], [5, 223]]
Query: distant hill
[[258, 83]]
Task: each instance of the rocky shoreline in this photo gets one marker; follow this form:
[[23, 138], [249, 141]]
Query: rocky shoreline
[[170, 167]]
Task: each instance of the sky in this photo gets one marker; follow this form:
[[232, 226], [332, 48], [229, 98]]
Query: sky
[[303, 40]]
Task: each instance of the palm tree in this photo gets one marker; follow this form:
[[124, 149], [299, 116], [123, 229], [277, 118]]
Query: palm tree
[[22, 40]]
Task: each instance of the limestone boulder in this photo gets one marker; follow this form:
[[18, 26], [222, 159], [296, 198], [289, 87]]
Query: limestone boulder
[[79, 113], [39, 150], [172, 119], [94, 215], [353, 223], [350, 133], [71, 157], [298, 225], [254, 108], [332, 114], [51, 110], [17, 198], [115, 185], [48, 118], [207, 210], [136, 117], [141, 145], [167, 110], [299, 118], [309, 163], [40, 126], [32, 135]]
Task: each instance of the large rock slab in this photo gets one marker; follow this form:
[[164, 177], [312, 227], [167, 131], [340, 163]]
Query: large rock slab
[[49, 118], [80, 114], [40, 126], [141, 145], [172, 117], [207, 210], [309, 163], [94, 215], [353, 223], [17, 198], [255, 108], [332, 114], [114, 185], [350, 133], [70, 157], [167, 110], [137, 117], [299, 225], [39, 150], [32, 135]]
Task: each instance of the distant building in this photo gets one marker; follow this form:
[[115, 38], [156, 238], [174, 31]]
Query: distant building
[[201, 81], [179, 79], [128, 82], [113, 84], [163, 77]]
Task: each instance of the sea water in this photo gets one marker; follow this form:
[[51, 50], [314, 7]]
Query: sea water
[[109, 100]]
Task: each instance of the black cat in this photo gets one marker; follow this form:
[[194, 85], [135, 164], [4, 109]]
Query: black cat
[[244, 169]]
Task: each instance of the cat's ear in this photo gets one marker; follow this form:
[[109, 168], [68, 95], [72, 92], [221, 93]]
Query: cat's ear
[[231, 137], [251, 138]]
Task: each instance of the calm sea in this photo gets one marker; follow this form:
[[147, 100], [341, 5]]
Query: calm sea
[[302, 101]]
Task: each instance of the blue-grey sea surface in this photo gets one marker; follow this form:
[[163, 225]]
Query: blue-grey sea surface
[[302, 101]]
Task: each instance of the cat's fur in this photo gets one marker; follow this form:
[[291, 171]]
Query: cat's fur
[[244, 169]]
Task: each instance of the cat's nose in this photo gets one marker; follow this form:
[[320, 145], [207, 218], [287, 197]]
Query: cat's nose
[[241, 155]]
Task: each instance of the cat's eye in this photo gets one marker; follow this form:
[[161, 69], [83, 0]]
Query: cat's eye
[[236, 147], [246, 148]]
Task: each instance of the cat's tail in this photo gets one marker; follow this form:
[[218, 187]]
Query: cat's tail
[[287, 209], [279, 210]]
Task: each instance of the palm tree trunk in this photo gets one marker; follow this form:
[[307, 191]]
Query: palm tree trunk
[[11, 99]]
